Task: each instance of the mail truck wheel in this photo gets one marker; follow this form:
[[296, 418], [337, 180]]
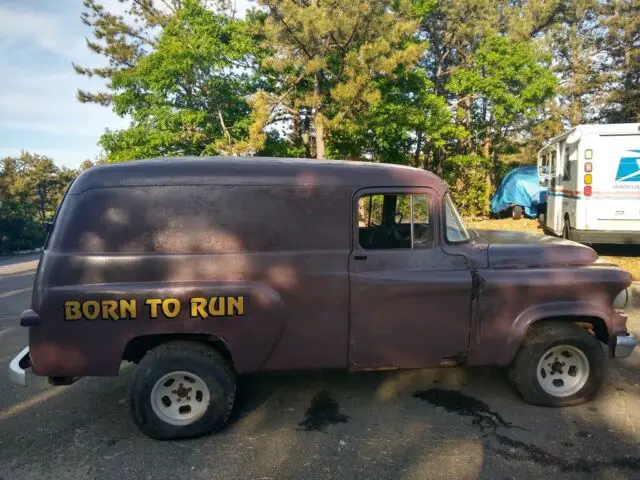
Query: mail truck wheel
[[566, 229], [180, 390], [558, 364]]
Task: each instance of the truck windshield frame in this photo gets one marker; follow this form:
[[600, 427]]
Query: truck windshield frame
[[455, 230]]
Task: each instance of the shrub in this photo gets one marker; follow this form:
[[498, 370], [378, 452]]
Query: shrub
[[19, 233], [470, 188]]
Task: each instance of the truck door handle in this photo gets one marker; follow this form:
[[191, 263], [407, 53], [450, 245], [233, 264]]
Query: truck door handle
[[360, 257]]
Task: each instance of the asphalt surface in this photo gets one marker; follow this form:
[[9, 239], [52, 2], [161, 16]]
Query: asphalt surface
[[453, 423]]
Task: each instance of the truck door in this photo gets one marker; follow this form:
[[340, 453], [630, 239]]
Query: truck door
[[554, 193], [410, 301]]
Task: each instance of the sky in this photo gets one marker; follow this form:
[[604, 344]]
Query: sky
[[39, 40]]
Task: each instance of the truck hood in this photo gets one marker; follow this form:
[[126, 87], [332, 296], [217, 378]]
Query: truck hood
[[516, 249]]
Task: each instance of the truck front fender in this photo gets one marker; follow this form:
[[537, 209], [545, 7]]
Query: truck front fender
[[499, 346], [572, 311]]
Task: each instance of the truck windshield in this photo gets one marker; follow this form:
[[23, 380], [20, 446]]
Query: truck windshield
[[456, 231]]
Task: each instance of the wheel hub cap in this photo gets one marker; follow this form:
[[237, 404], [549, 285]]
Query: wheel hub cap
[[180, 398], [563, 370]]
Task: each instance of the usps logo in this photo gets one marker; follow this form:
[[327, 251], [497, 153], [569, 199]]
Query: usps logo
[[629, 168]]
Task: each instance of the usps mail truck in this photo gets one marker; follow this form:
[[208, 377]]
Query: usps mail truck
[[592, 175]]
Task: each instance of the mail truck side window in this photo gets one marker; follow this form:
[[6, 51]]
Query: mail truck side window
[[395, 221]]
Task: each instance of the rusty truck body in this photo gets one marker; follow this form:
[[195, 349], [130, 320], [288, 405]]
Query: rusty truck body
[[201, 269]]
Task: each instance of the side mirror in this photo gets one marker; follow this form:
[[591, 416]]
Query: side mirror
[[48, 226]]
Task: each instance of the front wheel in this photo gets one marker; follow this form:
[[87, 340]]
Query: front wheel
[[180, 390], [557, 365]]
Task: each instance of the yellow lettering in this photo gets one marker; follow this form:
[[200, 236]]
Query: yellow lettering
[[235, 305], [110, 310], [153, 306], [171, 307], [220, 310], [128, 307], [71, 310], [198, 307], [90, 309]]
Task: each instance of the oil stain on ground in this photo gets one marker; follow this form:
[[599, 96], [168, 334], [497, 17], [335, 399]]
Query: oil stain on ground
[[322, 412], [454, 401], [489, 421]]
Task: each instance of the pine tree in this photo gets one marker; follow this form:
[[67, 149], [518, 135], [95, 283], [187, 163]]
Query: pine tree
[[621, 93], [327, 57]]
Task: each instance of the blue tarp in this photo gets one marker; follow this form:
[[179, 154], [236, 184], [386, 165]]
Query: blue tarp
[[521, 186]]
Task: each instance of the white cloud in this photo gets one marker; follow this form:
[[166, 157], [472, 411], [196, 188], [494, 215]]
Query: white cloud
[[46, 103], [45, 30]]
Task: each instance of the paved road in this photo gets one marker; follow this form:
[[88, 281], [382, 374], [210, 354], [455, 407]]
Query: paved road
[[448, 423]]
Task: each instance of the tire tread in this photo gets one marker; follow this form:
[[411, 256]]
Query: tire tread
[[190, 351], [522, 371]]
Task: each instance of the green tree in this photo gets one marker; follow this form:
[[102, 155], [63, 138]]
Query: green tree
[[187, 88], [329, 56], [507, 85], [31, 188], [621, 64]]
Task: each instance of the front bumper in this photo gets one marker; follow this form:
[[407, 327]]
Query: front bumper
[[624, 345], [20, 362]]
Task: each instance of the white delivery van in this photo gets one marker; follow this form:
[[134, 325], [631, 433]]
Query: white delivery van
[[592, 175]]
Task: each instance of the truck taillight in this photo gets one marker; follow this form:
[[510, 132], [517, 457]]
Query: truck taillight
[[588, 179], [588, 167], [587, 190]]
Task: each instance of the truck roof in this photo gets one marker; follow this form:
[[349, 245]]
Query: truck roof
[[253, 171], [602, 129]]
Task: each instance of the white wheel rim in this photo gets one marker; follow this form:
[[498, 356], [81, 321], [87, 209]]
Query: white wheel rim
[[563, 370], [180, 398]]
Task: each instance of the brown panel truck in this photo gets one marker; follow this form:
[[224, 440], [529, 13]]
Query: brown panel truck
[[202, 269]]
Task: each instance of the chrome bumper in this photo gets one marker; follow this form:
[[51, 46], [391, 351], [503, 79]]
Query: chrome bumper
[[17, 367], [624, 345]]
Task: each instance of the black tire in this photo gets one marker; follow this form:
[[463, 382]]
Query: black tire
[[566, 230], [516, 212], [523, 372], [198, 359]]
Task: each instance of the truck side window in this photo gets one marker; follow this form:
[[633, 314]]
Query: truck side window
[[385, 221]]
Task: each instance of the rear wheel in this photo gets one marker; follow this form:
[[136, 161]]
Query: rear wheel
[[180, 390], [558, 364]]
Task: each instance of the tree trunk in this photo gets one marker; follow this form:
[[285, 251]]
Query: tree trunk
[[306, 128], [486, 148], [318, 125], [318, 122], [416, 157], [468, 120]]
